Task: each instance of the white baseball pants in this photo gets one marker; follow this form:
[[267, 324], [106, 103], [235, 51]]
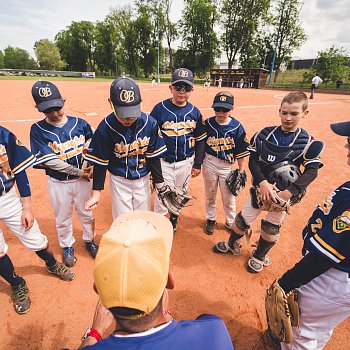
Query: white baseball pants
[[11, 214], [215, 171], [176, 175], [324, 303], [63, 194], [129, 195]]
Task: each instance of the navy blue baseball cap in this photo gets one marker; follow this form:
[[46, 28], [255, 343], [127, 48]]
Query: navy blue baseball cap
[[46, 95], [223, 100], [342, 129], [182, 75], [126, 98]]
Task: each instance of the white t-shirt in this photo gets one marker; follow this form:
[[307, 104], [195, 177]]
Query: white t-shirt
[[316, 80]]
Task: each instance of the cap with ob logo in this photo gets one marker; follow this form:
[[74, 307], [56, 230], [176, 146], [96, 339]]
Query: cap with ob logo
[[46, 95], [223, 100], [126, 98], [182, 75]]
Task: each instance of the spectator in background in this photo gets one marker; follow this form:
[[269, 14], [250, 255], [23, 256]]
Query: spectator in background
[[316, 81], [140, 304], [338, 83]]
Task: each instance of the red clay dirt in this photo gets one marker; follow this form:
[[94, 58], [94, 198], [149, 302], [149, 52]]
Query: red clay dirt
[[205, 282]]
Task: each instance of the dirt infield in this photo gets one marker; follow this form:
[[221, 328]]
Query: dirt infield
[[205, 282]]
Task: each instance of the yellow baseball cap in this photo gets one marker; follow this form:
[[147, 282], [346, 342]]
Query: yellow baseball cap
[[132, 264]]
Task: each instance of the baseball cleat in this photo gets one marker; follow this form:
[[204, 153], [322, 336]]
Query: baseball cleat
[[68, 256], [256, 265], [209, 226], [223, 247], [20, 298], [62, 271], [92, 248]]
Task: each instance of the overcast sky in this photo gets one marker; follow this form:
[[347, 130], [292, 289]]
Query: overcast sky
[[23, 22]]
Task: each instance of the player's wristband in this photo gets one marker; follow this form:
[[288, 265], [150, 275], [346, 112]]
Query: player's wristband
[[91, 332]]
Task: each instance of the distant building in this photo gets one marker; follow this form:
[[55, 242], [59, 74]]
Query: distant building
[[302, 64]]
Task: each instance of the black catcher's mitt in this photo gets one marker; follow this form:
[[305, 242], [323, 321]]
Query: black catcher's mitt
[[236, 181], [173, 199]]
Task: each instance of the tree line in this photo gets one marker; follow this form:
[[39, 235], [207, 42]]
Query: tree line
[[133, 40]]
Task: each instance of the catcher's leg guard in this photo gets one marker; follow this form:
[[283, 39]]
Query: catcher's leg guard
[[237, 229], [268, 238]]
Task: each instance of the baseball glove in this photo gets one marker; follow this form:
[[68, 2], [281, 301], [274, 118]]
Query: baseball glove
[[236, 181], [279, 205], [173, 199], [282, 311]]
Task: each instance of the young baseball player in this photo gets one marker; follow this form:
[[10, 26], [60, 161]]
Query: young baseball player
[[58, 141], [182, 126], [277, 152], [16, 213], [322, 275], [128, 143], [226, 142]]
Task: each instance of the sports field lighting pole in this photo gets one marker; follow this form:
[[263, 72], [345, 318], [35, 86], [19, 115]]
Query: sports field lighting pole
[[158, 42], [275, 51]]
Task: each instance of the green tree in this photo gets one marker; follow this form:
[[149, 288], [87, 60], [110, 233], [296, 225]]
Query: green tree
[[2, 65], [123, 39], [77, 44], [199, 41], [15, 57], [170, 31], [48, 55], [240, 20], [331, 64], [288, 33]]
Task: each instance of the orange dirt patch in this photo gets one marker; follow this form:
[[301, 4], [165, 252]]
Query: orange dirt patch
[[205, 282]]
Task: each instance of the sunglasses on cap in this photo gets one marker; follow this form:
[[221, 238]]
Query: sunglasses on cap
[[52, 109], [221, 109], [184, 88]]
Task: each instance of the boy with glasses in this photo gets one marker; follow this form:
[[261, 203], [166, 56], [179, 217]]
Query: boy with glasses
[[58, 141], [226, 142], [183, 129]]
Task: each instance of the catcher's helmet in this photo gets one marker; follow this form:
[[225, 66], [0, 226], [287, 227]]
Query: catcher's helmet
[[283, 174]]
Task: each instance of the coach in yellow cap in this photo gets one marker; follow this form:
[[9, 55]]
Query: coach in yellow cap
[[131, 277]]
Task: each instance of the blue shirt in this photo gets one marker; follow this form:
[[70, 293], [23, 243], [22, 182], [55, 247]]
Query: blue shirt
[[65, 143], [207, 332], [181, 128], [227, 142], [124, 149], [14, 158], [328, 229]]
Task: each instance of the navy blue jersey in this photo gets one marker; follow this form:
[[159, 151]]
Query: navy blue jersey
[[65, 143], [181, 128], [208, 332], [227, 142], [124, 149], [328, 230], [14, 158]]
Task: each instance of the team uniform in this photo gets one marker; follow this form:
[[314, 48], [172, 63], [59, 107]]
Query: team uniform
[[14, 159], [224, 145], [324, 301], [124, 152], [50, 142], [181, 128], [207, 332], [276, 156]]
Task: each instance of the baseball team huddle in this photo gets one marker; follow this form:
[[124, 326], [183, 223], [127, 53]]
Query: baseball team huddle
[[162, 150]]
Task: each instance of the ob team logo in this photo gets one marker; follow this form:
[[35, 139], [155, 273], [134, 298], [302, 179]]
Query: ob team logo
[[223, 98], [45, 92], [127, 96], [183, 73]]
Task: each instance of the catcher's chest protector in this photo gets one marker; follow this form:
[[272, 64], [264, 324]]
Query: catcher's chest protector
[[271, 153]]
